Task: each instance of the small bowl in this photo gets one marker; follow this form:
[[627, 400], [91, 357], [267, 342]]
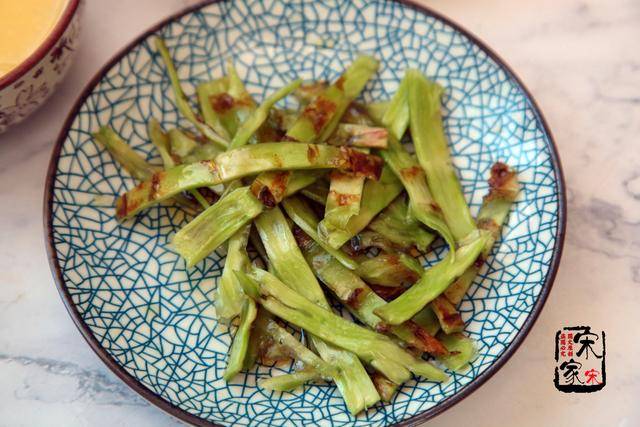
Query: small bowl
[[30, 84]]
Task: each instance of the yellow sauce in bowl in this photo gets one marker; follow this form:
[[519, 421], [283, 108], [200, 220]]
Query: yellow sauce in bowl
[[24, 25]]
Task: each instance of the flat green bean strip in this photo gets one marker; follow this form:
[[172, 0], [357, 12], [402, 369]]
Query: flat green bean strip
[[358, 297], [181, 99], [434, 281], [307, 92], [124, 155], [402, 229], [205, 92], [289, 382], [462, 351], [387, 389], [317, 192], [413, 178], [396, 115], [362, 136], [161, 141], [289, 264], [375, 197], [377, 110], [241, 162], [389, 269], [181, 144], [304, 217], [230, 298], [238, 349], [260, 114], [321, 116], [428, 320], [448, 316], [495, 207], [343, 201], [271, 188], [215, 225], [297, 350], [433, 154], [376, 349]]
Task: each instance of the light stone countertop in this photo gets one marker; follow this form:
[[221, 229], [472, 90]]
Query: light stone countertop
[[580, 59]]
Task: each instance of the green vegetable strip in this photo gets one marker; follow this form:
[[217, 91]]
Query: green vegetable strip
[[396, 115], [321, 116], [307, 92], [434, 281], [288, 263], [296, 349], [270, 189], [205, 92], [428, 320], [413, 178], [124, 155], [387, 389], [343, 202], [181, 99], [433, 154], [496, 205], [389, 269], [448, 316], [258, 117], [317, 192], [462, 351], [238, 163], [363, 136], [230, 297], [402, 229], [377, 110], [359, 298], [375, 349], [181, 144], [375, 197], [290, 381], [215, 225], [240, 343], [304, 217], [161, 141]]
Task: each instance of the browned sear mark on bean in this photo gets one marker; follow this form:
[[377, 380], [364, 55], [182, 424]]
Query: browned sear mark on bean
[[425, 341], [156, 178], [222, 102], [362, 164], [302, 239], [340, 83], [355, 298], [502, 183], [319, 112], [121, 206], [312, 153], [412, 172], [387, 293]]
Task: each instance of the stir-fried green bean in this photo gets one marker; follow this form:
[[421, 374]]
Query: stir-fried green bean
[[433, 154], [181, 99], [359, 136], [288, 263], [376, 349], [259, 115], [375, 197], [389, 269], [396, 225], [124, 155], [240, 343], [433, 282], [304, 217], [241, 162]]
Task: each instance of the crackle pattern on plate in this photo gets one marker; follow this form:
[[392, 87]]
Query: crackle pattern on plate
[[156, 318]]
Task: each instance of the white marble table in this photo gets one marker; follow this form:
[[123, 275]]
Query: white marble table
[[581, 59]]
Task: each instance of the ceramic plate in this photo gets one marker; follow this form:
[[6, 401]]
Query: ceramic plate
[[151, 320]]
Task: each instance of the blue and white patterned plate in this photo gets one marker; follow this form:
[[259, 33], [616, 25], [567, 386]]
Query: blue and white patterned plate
[[152, 321]]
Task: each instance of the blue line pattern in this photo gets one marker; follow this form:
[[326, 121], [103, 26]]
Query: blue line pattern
[[156, 318]]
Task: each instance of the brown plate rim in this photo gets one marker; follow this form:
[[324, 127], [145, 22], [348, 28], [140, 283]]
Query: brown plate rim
[[183, 415]]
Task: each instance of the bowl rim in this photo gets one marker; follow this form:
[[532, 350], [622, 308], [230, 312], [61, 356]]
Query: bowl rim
[[185, 416], [43, 49]]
